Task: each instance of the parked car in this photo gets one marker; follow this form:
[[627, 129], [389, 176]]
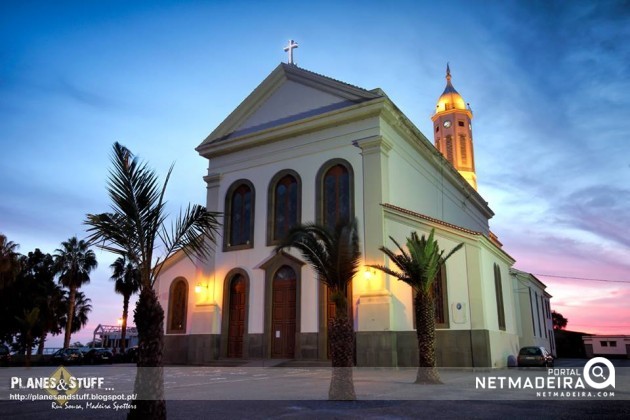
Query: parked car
[[131, 354], [534, 356], [99, 355], [5, 355], [67, 356]]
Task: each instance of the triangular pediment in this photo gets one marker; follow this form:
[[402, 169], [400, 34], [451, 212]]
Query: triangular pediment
[[288, 94]]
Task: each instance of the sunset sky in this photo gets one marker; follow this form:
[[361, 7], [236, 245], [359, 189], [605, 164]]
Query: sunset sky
[[548, 82]]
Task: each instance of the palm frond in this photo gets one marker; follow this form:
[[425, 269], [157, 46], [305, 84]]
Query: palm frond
[[193, 232], [311, 240], [138, 214], [335, 256], [387, 270], [419, 264]]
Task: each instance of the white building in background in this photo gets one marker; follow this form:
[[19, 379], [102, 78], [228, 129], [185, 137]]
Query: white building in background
[[617, 346], [111, 336], [535, 326], [304, 147]]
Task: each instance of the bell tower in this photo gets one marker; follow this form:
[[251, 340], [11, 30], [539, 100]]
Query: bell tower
[[452, 131]]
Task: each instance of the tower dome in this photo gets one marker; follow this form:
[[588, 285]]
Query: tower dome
[[452, 130], [450, 98]]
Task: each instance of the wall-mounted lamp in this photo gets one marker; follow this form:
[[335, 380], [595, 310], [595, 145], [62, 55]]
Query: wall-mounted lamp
[[369, 273], [199, 287]]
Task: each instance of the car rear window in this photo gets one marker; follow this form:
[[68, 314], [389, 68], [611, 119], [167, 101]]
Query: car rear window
[[530, 351]]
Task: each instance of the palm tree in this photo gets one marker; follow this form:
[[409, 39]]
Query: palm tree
[[82, 307], [134, 228], [127, 278], [9, 262], [335, 258], [28, 323], [419, 266], [73, 262], [53, 313]]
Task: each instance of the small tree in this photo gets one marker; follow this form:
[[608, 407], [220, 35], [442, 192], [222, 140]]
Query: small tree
[[135, 227], [73, 262], [419, 266], [335, 257], [127, 278], [559, 322], [27, 322], [9, 261]]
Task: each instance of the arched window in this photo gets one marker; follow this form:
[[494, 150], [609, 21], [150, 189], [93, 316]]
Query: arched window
[[177, 307], [336, 195], [284, 200], [239, 211]]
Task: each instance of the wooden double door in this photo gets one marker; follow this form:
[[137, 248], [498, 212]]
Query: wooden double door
[[283, 313]]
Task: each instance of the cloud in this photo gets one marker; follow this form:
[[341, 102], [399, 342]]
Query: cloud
[[600, 209]]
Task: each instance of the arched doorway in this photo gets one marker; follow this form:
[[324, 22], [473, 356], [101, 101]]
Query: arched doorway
[[234, 323], [283, 313], [236, 326]]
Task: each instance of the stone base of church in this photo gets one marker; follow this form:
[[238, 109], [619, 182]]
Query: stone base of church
[[194, 349], [454, 348], [306, 346]]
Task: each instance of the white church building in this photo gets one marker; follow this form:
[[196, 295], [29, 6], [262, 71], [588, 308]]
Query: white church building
[[304, 147]]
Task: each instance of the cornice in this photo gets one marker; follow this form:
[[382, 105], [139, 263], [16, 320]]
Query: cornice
[[344, 115]]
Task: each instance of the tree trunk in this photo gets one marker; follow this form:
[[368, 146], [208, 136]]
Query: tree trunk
[[425, 330], [29, 349], [42, 342], [341, 339], [149, 384], [71, 304], [123, 332]]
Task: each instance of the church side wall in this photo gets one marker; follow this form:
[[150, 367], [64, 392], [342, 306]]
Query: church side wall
[[503, 343], [457, 277], [536, 331], [418, 185]]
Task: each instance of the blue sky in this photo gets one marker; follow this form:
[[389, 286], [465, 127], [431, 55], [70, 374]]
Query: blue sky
[[547, 81]]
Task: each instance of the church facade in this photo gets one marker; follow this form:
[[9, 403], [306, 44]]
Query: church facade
[[304, 147]]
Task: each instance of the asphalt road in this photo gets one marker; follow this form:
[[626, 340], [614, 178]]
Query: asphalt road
[[254, 392]]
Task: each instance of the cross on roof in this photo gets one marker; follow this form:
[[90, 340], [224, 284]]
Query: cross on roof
[[289, 48]]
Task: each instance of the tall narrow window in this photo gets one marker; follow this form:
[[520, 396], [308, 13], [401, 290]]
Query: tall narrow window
[[542, 307], [441, 299], [462, 149], [284, 200], [239, 209], [531, 308], [177, 307], [449, 148], [440, 294], [538, 314], [335, 194], [498, 288]]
